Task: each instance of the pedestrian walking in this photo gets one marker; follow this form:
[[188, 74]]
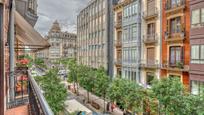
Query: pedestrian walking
[[108, 106], [112, 107]]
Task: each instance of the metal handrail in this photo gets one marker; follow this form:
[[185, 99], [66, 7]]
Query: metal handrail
[[42, 101], [150, 37], [170, 6], [147, 14]]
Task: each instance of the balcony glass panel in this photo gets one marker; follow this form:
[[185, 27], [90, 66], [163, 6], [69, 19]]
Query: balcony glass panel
[[175, 55], [175, 25]]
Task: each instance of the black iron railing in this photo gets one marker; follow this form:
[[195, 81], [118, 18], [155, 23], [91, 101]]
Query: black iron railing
[[170, 5], [37, 102], [27, 92]]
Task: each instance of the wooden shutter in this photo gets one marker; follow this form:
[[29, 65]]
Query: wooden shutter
[[150, 7], [150, 56]]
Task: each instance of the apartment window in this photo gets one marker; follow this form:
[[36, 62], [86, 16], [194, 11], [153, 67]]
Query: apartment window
[[197, 87], [134, 32], [149, 78], [175, 55], [197, 54], [125, 35], [175, 25], [174, 2], [197, 18], [134, 9], [151, 56], [151, 29]]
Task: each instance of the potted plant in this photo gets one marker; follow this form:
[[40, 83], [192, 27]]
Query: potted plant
[[179, 65]]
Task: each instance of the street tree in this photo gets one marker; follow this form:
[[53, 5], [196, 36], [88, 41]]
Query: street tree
[[87, 81], [54, 92], [117, 91], [102, 83], [171, 96], [134, 97], [73, 71]]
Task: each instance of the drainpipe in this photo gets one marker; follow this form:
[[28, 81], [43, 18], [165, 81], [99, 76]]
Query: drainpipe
[[11, 51]]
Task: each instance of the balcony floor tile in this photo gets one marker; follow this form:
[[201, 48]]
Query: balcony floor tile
[[21, 110]]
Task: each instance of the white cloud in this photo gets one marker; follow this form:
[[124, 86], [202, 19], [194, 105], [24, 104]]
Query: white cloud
[[65, 11]]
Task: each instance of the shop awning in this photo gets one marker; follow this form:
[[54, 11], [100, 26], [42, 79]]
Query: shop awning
[[27, 37]]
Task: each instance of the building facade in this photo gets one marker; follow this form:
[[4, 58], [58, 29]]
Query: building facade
[[4, 53], [118, 14], [63, 44], [131, 41], [197, 46], [94, 35], [28, 9], [151, 40], [175, 39]]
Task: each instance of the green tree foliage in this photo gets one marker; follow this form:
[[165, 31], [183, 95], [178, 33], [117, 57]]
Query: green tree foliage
[[73, 73], [87, 81], [169, 91], [102, 82], [40, 63], [54, 92], [129, 95], [174, 100]]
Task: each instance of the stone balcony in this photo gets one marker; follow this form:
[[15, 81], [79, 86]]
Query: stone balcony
[[118, 43], [175, 37], [147, 15], [118, 62], [179, 67], [176, 8], [150, 39], [150, 64], [118, 24]]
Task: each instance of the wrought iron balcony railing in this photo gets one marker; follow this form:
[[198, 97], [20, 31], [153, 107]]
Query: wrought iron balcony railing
[[118, 61], [175, 66], [118, 23], [37, 102], [118, 43], [27, 92], [150, 38], [150, 64], [177, 4], [150, 14], [179, 36]]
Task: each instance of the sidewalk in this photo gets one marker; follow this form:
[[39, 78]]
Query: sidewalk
[[99, 101]]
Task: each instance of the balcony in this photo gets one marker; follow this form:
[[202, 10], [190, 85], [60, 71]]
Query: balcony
[[148, 15], [31, 17], [150, 64], [31, 100], [150, 39], [118, 24], [118, 62], [175, 8], [179, 66], [175, 37], [118, 43]]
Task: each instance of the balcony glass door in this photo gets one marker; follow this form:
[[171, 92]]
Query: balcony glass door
[[150, 7], [151, 31], [175, 55], [175, 25], [150, 56]]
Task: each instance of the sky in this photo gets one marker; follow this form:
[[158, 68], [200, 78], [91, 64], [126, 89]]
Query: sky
[[65, 11]]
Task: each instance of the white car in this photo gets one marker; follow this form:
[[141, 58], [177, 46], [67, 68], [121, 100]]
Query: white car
[[62, 72]]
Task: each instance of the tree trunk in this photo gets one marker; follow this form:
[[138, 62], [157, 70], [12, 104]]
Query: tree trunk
[[88, 96], [104, 102]]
